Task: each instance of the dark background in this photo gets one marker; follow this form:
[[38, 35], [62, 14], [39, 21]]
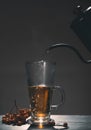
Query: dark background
[[26, 30]]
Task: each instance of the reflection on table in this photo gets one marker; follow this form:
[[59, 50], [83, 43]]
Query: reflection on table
[[75, 122]]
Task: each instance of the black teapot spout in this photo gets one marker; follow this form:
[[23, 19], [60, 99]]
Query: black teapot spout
[[57, 45]]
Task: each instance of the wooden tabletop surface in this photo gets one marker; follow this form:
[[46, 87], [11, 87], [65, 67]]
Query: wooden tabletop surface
[[75, 122]]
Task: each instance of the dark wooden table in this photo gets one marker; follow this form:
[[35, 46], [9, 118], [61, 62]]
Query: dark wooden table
[[75, 122]]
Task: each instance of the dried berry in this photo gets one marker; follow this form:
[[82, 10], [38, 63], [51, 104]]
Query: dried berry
[[16, 118]]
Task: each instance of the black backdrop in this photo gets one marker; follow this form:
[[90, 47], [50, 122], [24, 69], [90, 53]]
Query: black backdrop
[[26, 30]]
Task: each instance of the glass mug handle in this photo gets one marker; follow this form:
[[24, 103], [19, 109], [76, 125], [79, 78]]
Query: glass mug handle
[[61, 93]]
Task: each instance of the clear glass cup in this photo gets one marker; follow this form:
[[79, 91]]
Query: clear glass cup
[[40, 77]]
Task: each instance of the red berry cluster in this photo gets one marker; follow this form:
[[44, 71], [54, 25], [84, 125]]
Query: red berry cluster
[[18, 118]]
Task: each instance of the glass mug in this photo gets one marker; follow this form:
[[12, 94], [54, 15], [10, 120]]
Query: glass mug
[[40, 77]]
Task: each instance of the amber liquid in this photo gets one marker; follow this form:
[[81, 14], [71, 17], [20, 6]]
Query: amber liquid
[[40, 101]]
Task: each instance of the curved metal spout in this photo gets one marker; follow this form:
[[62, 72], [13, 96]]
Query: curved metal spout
[[70, 47]]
